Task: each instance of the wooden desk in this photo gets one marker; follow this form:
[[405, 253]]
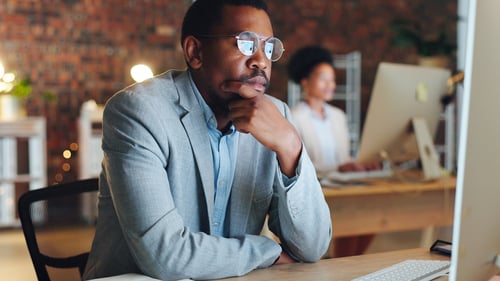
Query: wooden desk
[[388, 206], [339, 269]]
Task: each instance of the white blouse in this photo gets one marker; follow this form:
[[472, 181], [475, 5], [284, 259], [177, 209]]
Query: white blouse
[[326, 140]]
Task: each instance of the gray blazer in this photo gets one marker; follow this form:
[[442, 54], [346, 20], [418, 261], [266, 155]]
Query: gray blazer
[[156, 196]]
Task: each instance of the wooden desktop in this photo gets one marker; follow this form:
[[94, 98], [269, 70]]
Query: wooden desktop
[[338, 269], [385, 205]]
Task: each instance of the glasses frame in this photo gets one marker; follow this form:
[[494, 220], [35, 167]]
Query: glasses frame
[[239, 37]]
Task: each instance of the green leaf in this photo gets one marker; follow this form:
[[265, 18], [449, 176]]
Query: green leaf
[[22, 89]]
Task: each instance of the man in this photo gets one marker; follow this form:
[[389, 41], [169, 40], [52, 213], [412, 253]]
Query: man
[[194, 161]]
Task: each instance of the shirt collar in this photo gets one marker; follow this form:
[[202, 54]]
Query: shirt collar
[[207, 111]]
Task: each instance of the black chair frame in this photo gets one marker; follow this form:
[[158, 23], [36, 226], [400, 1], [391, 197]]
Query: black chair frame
[[40, 260]]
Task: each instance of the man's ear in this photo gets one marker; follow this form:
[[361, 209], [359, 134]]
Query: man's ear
[[192, 52]]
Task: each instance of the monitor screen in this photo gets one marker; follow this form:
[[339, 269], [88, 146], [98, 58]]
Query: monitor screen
[[476, 227], [401, 92]]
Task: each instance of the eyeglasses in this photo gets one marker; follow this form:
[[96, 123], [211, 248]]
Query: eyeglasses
[[249, 42]]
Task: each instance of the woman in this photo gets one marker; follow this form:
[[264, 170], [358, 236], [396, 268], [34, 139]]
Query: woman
[[323, 127]]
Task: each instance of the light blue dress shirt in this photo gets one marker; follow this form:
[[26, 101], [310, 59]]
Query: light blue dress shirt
[[224, 152], [224, 155]]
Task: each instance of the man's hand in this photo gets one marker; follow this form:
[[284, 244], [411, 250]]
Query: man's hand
[[256, 114]]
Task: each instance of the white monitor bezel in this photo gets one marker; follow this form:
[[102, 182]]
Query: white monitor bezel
[[476, 231]]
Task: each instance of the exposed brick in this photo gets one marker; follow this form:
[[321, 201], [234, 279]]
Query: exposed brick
[[82, 50]]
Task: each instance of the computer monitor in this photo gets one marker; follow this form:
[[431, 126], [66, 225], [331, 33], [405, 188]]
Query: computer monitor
[[476, 227], [401, 92]]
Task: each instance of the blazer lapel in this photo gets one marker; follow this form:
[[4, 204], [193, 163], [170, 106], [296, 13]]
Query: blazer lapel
[[198, 136]]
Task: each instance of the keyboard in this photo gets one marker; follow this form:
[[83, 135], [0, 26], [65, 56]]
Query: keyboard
[[409, 270], [336, 176]]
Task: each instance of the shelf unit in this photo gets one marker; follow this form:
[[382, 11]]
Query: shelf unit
[[23, 159], [89, 139], [90, 153], [348, 90]]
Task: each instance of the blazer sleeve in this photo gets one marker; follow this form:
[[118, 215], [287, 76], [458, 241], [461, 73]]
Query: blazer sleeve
[[299, 214]]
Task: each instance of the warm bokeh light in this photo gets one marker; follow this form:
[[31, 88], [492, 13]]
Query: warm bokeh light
[[66, 167], [9, 77], [141, 72], [6, 80], [58, 177], [67, 154], [73, 146], [5, 87]]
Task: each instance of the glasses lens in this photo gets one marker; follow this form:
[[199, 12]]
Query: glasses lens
[[269, 49], [246, 47], [273, 49], [247, 43]]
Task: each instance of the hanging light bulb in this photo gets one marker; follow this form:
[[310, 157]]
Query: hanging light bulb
[[141, 72]]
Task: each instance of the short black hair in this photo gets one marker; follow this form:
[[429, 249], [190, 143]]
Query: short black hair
[[204, 14], [303, 61]]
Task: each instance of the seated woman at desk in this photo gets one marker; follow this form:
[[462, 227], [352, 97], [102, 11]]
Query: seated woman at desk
[[323, 127]]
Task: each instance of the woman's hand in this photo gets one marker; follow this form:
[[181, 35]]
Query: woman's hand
[[359, 167]]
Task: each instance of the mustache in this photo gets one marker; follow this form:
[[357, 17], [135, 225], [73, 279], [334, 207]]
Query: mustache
[[255, 73]]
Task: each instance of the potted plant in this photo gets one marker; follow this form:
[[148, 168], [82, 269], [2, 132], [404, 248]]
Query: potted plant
[[11, 94], [432, 43], [14, 93]]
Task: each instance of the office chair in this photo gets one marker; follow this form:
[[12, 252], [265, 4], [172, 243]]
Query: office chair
[[47, 212]]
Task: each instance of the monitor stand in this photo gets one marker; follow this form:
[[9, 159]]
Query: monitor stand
[[416, 143], [427, 151]]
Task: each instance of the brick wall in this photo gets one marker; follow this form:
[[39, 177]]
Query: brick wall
[[83, 49]]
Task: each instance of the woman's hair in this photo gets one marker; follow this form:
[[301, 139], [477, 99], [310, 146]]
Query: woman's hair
[[204, 14], [304, 60]]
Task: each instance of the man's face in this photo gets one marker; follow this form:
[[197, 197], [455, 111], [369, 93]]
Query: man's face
[[222, 62]]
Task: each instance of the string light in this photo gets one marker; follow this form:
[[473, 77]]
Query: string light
[[67, 154]]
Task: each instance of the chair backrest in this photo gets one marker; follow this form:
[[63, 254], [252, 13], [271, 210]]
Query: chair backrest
[[56, 233]]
